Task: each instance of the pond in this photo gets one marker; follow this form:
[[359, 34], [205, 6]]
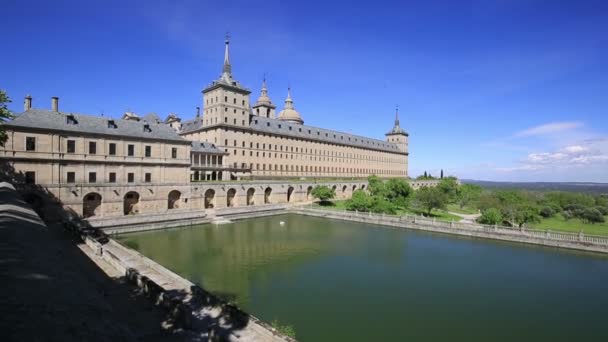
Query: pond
[[342, 281]]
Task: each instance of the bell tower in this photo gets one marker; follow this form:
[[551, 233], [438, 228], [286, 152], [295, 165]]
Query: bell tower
[[398, 135], [264, 106], [225, 101]]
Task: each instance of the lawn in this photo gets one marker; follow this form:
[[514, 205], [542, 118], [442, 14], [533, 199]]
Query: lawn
[[573, 225], [455, 208], [438, 214]]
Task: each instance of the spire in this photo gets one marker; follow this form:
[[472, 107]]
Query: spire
[[227, 69], [397, 116], [288, 100], [264, 89]]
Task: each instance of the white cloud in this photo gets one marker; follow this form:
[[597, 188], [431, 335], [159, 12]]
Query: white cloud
[[550, 128]]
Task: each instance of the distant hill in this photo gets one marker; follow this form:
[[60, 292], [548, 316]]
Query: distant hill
[[589, 187]]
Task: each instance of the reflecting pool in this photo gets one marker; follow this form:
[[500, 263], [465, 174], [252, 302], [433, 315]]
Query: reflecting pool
[[342, 281]]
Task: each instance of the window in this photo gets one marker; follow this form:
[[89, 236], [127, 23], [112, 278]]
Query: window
[[112, 124], [30, 177], [71, 120], [225, 120], [71, 146], [174, 152], [147, 128], [130, 150], [112, 177], [112, 149], [148, 178], [71, 178], [30, 144], [92, 177], [148, 151], [92, 147], [130, 177]]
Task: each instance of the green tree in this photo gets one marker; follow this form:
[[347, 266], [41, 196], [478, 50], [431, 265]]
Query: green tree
[[450, 187], [468, 194], [490, 216], [382, 205], [323, 193], [430, 198], [526, 213], [441, 176], [360, 201], [398, 191], [592, 215], [376, 186], [5, 115]]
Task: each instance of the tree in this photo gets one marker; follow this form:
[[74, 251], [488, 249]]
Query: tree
[[547, 212], [323, 193], [592, 215], [430, 198], [376, 186], [382, 205], [526, 213], [441, 176], [490, 216], [449, 186], [5, 115], [359, 201], [398, 191], [468, 194], [425, 175]]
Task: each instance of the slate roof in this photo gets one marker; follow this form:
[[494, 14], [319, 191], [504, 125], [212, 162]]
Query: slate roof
[[61, 121], [206, 147], [275, 126], [152, 117]]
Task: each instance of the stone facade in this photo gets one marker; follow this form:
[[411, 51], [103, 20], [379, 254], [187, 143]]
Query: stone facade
[[101, 167], [263, 146]]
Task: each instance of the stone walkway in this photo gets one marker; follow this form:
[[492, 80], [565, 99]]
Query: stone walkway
[[51, 291], [466, 218]]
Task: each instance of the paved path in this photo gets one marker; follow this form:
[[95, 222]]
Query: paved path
[[52, 292], [466, 218]]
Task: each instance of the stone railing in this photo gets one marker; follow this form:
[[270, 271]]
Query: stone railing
[[542, 237]]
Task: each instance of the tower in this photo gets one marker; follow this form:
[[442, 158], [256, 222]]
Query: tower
[[398, 135], [225, 101], [289, 112], [264, 106]]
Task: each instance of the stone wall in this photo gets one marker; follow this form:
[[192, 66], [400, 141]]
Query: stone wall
[[582, 242]]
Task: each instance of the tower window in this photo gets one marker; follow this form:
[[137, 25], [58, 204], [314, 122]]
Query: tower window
[[30, 144]]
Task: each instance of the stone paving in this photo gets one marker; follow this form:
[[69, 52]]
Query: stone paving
[[51, 291]]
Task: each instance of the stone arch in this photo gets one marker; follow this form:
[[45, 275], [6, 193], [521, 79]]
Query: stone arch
[[290, 194], [267, 194], [209, 199], [91, 205], [231, 197], [309, 193], [362, 186], [354, 188], [344, 189], [173, 199], [250, 196], [334, 188], [131, 203]]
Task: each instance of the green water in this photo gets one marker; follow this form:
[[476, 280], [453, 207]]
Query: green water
[[342, 281]]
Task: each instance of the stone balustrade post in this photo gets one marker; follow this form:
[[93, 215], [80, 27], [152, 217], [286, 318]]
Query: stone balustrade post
[[452, 223], [581, 236]]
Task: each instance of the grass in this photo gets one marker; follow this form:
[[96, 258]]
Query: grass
[[437, 214], [455, 208], [558, 223]]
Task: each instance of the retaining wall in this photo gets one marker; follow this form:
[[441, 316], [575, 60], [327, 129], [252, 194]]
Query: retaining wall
[[590, 243]]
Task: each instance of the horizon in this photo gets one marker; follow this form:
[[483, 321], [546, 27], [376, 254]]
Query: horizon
[[487, 90]]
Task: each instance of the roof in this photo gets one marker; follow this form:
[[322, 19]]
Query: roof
[[152, 117], [81, 123], [280, 127], [206, 147]]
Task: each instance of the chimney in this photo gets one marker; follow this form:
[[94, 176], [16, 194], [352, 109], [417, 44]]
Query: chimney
[[198, 111], [55, 104], [27, 102]]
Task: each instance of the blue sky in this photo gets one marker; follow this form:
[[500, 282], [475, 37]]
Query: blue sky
[[495, 90]]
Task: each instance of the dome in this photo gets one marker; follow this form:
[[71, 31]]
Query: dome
[[289, 113]]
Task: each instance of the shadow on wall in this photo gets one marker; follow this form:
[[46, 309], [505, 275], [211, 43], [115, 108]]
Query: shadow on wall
[[183, 307]]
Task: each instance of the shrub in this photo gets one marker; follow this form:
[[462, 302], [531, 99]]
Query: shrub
[[490, 216], [602, 209], [592, 215], [547, 212], [323, 193], [359, 201]]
